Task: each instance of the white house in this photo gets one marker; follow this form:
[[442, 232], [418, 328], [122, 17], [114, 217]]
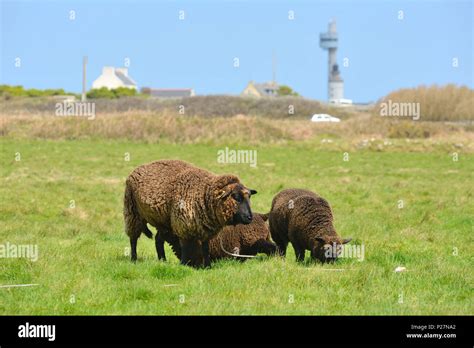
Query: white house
[[114, 78]]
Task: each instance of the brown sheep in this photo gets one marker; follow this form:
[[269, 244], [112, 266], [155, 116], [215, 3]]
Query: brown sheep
[[304, 219], [182, 200], [239, 241]]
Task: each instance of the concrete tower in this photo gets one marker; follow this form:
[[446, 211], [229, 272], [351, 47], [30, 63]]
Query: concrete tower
[[328, 41]]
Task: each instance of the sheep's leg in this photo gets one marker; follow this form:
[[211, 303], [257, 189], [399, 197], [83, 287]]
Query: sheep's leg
[[133, 248], [281, 245], [299, 252], [160, 247], [185, 257], [205, 254], [176, 247], [191, 253], [133, 222], [282, 248]]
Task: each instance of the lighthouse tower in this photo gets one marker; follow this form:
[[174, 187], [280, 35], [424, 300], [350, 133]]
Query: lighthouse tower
[[328, 41]]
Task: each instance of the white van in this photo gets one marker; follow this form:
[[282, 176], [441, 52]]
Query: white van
[[324, 118]]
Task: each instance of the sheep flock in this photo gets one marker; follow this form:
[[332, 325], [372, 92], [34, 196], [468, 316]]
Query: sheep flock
[[206, 217]]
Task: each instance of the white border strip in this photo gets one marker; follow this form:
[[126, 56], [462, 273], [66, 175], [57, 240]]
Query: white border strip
[[17, 285]]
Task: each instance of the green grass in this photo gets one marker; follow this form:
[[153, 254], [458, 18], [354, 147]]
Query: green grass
[[82, 249]]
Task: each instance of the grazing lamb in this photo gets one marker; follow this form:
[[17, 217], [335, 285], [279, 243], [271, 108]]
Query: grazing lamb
[[243, 240], [185, 201], [304, 219], [239, 241]]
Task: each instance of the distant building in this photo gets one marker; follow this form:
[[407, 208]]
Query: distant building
[[112, 78], [259, 90], [328, 41], [169, 93]]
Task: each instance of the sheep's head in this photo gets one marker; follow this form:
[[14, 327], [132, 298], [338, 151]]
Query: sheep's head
[[328, 248], [233, 200]]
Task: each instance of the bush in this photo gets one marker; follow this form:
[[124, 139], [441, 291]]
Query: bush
[[408, 130], [445, 103], [8, 92], [124, 92], [105, 93], [101, 93], [51, 92], [286, 91], [12, 91], [34, 92]]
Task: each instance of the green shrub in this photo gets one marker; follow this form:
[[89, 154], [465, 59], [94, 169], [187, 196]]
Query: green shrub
[[51, 92], [12, 91], [101, 93], [286, 91], [34, 92], [8, 92], [124, 92], [408, 129], [105, 93]]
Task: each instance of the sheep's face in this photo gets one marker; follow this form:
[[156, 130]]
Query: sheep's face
[[234, 204], [328, 248]]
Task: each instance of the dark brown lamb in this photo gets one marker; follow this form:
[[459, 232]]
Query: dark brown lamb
[[239, 241], [242, 240], [304, 219], [184, 201]]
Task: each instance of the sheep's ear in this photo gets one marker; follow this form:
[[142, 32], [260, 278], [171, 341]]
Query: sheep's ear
[[346, 240], [253, 192]]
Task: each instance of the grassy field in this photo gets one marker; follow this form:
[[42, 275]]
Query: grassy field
[[83, 267]]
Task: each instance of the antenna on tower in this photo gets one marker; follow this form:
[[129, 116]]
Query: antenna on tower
[[84, 87]]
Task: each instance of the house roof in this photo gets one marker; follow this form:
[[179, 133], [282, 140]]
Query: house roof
[[125, 79]]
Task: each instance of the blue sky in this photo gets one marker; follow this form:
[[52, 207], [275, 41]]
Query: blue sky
[[384, 53]]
